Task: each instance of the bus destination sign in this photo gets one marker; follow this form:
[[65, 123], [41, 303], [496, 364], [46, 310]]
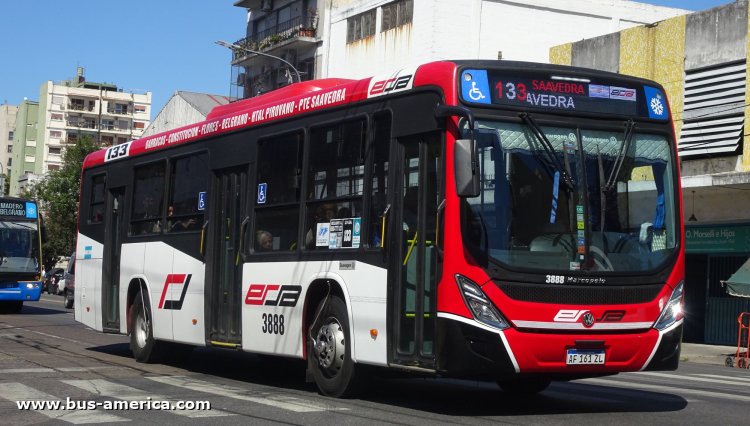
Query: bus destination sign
[[18, 209], [549, 92]]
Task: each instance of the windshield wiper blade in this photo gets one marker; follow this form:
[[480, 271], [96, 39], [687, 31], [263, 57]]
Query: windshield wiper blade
[[548, 149], [624, 148]]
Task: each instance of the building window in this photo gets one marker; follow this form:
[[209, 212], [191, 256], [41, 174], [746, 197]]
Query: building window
[[52, 167], [713, 114], [122, 125], [139, 108], [138, 125], [360, 26], [396, 14], [55, 134], [10, 135], [56, 117], [10, 149], [58, 100], [10, 162], [55, 150]]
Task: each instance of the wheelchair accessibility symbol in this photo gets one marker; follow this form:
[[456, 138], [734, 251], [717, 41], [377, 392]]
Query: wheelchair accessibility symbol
[[475, 86], [475, 94]]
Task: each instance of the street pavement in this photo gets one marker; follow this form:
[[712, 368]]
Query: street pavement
[[707, 354]]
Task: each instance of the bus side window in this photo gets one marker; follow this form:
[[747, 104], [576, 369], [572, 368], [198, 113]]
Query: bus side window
[[189, 178], [96, 203], [335, 182], [277, 211], [148, 197]]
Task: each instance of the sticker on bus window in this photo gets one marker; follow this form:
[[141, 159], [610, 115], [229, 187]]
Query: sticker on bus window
[[201, 201], [262, 187], [322, 234], [345, 233]]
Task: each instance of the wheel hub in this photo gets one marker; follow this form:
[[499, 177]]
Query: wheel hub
[[330, 345], [141, 331]]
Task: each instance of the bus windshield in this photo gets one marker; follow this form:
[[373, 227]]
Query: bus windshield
[[18, 247], [572, 199]]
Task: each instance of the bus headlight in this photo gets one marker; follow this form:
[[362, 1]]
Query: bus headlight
[[479, 304], [672, 312], [29, 286]]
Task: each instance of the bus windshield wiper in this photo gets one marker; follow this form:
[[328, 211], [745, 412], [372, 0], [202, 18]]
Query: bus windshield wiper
[[541, 138], [624, 148]]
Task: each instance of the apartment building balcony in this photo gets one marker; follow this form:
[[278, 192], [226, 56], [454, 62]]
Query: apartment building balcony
[[295, 33], [82, 124], [119, 111]]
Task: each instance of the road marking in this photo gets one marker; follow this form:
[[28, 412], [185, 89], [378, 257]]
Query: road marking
[[97, 368], [726, 377], [55, 370], [668, 389], [126, 393], [26, 370], [695, 379], [265, 398], [20, 392]]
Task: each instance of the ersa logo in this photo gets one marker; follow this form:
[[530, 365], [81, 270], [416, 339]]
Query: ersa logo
[[586, 317], [399, 81], [178, 283], [273, 295]]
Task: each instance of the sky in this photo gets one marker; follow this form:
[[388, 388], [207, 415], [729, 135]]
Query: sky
[[159, 46]]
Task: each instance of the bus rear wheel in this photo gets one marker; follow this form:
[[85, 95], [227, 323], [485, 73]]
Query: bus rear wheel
[[145, 348], [525, 386], [329, 355]]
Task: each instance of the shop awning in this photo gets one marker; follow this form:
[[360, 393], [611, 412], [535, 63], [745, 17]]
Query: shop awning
[[739, 283]]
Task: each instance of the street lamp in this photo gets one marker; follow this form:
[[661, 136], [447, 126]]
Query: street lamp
[[238, 47]]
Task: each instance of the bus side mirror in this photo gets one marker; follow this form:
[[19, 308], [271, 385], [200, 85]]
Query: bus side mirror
[[466, 168]]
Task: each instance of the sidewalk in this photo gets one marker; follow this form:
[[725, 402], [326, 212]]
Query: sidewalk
[[706, 354]]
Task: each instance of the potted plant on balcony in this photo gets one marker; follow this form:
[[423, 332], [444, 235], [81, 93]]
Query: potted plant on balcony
[[309, 31]]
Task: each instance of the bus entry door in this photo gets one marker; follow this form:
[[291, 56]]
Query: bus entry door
[[223, 262], [111, 261], [414, 260]]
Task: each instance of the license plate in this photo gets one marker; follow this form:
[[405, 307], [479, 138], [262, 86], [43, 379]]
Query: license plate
[[585, 357]]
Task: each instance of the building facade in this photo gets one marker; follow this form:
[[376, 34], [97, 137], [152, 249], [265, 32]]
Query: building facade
[[23, 158], [70, 110], [184, 108], [701, 60], [360, 38], [7, 131]]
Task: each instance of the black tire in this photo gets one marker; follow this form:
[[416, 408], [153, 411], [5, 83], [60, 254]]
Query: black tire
[[68, 300], [145, 348], [524, 386], [11, 307], [331, 363]]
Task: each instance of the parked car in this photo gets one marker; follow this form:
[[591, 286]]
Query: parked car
[[70, 282], [52, 280]]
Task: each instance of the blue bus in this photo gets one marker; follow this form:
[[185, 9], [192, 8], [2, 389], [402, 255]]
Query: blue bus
[[20, 253]]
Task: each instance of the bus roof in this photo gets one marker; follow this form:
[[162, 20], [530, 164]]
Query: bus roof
[[313, 95]]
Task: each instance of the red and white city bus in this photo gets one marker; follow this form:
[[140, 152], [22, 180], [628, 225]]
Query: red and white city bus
[[507, 221]]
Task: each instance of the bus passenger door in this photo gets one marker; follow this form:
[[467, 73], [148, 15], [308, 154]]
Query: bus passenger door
[[223, 262], [111, 260], [414, 263]]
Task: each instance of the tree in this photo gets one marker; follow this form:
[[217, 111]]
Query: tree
[[58, 195]]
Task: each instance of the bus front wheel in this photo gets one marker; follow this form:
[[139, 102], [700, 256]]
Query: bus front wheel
[[142, 343], [329, 356]]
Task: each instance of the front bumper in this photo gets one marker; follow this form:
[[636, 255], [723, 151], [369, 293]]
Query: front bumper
[[466, 349], [10, 291]]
